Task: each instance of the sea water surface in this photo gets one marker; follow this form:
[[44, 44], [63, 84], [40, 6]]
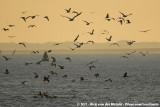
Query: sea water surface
[[142, 85]]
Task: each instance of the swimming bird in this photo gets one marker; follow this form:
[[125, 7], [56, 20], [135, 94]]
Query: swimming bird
[[68, 58], [61, 67], [91, 67], [31, 26], [26, 63], [7, 72], [125, 75], [68, 10], [5, 29], [38, 63], [87, 23], [11, 36], [125, 15], [35, 75], [130, 43], [76, 38], [6, 58], [72, 19], [82, 78], [108, 80], [20, 43], [46, 17], [109, 39], [97, 75], [13, 52], [144, 54], [91, 33]]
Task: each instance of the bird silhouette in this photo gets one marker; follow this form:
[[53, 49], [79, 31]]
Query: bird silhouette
[[24, 18], [90, 42], [61, 67], [35, 75], [115, 44], [81, 78], [65, 76], [49, 51], [91, 33], [46, 79], [91, 67], [87, 23], [130, 53], [31, 26], [38, 63], [57, 44], [128, 22], [6, 58], [26, 63], [108, 18], [6, 72], [11, 25], [97, 75], [72, 48], [125, 15], [5, 29], [68, 10], [20, 43], [46, 17], [33, 17], [53, 73], [144, 54], [13, 52], [72, 19], [68, 58], [24, 82], [130, 43], [92, 62], [124, 56], [109, 39], [125, 75], [76, 38], [52, 64], [108, 80]]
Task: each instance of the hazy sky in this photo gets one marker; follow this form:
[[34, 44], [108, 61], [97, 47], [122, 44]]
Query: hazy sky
[[145, 15]]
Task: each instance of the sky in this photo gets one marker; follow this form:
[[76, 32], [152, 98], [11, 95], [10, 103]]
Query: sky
[[145, 16]]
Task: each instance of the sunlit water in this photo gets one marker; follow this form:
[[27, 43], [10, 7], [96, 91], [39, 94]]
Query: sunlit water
[[142, 85]]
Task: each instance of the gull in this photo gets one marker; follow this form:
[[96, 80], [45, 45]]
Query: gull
[[13, 52], [53, 59], [91, 42], [76, 38], [6, 58], [20, 43], [124, 14], [68, 10], [11, 36], [26, 63], [53, 73], [87, 23], [128, 21], [72, 48], [46, 17], [108, 18], [71, 19], [69, 59], [33, 17], [11, 25], [144, 54], [97, 75], [35, 75], [92, 67], [57, 44], [61, 67], [130, 53], [109, 39], [108, 80], [24, 18], [91, 33], [5, 29], [125, 75]]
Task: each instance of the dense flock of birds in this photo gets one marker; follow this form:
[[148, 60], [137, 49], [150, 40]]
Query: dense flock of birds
[[123, 19]]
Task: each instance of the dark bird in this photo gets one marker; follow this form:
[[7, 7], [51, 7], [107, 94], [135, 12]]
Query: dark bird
[[65, 76], [120, 21], [91, 33], [33, 17], [128, 22], [5, 29], [109, 39], [97, 75], [130, 43], [11, 25], [57, 44], [52, 64], [13, 52], [125, 75], [53, 59], [108, 18], [26, 63], [34, 52], [91, 67], [144, 54], [49, 51], [124, 14], [31, 26], [124, 56], [20, 43], [24, 82], [87, 23], [7, 72], [76, 38], [46, 17], [38, 63], [130, 53], [68, 10], [78, 46], [115, 44], [61, 67], [24, 18], [6, 58], [72, 48], [82, 78], [46, 79], [145, 31], [108, 80], [69, 59], [11, 36], [35, 75], [71, 19], [91, 42]]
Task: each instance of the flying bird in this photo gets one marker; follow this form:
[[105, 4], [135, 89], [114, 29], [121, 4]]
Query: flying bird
[[91, 33], [61, 67], [108, 80], [26, 63], [124, 14], [24, 18], [33, 17], [125, 75], [53, 59], [49, 51], [31, 26], [24, 12], [128, 22], [24, 82], [72, 48], [6, 58], [92, 62], [97, 75], [20, 43], [5, 29], [124, 56], [109, 39], [130, 53], [38, 63], [68, 10], [11, 25], [115, 44], [7, 72], [144, 54], [13, 52], [76, 38], [87, 23], [71, 19], [46, 17], [53, 73], [91, 42], [108, 18], [130, 43], [57, 44]]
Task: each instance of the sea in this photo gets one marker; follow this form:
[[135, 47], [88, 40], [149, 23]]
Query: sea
[[140, 89]]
